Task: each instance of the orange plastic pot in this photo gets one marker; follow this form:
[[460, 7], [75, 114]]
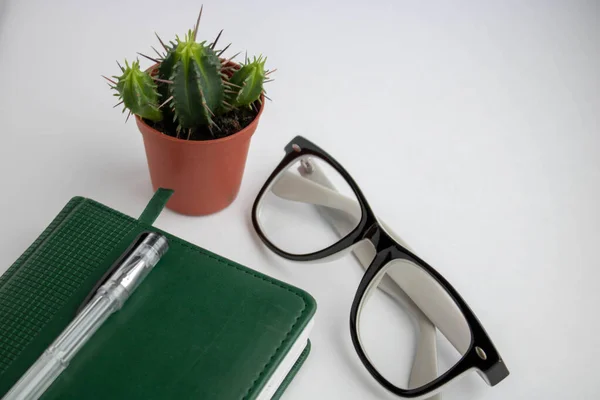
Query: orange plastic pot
[[205, 175]]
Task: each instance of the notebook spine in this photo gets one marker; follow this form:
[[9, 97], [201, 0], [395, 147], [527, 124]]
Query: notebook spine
[[292, 374]]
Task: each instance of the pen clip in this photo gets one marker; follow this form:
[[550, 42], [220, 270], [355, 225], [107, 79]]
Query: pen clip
[[112, 269]]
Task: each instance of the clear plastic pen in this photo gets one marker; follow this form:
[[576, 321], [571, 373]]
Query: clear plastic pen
[[109, 298]]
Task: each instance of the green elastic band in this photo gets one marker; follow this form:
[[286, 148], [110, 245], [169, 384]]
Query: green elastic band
[[155, 206]]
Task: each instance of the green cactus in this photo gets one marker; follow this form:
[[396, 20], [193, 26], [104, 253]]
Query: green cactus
[[197, 87], [192, 88], [247, 83], [137, 91]]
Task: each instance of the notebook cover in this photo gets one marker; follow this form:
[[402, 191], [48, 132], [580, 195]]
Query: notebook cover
[[200, 326]]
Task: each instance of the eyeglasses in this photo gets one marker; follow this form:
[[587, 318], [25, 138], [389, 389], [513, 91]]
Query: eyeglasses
[[311, 209]]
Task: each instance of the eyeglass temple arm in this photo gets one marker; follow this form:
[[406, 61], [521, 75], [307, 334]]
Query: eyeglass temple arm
[[291, 187], [424, 368]]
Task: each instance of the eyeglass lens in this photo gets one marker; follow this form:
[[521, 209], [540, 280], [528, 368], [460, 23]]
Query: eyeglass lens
[[295, 209], [405, 311]]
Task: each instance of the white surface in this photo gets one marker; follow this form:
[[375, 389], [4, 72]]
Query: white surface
[[472, 128]]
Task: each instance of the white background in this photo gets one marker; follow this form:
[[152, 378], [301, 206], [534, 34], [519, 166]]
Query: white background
[[472, 129]]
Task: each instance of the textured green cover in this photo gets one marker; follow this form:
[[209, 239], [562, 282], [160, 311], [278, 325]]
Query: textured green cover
[[200, 326]]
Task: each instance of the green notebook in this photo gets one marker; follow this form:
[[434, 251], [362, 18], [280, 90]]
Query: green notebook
[[198, 327]]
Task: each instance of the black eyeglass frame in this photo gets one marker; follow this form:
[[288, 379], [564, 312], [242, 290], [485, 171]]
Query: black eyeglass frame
[[488, 363]]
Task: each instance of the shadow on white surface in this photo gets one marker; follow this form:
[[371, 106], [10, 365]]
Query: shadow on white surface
[[3, 8], [343, 346], [260, 246], [129, 179]]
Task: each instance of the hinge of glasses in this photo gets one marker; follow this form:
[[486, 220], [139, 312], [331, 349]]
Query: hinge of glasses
[[307, 165], [373, 234]]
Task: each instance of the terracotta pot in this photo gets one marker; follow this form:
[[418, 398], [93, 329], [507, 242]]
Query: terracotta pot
[[205, 175]]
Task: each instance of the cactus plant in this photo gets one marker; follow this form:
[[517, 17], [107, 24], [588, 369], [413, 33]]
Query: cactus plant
[[137, 91], [247, 83], [197, 86], [192, 88]]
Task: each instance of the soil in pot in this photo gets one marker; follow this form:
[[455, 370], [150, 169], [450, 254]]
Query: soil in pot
[[229, 123]]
